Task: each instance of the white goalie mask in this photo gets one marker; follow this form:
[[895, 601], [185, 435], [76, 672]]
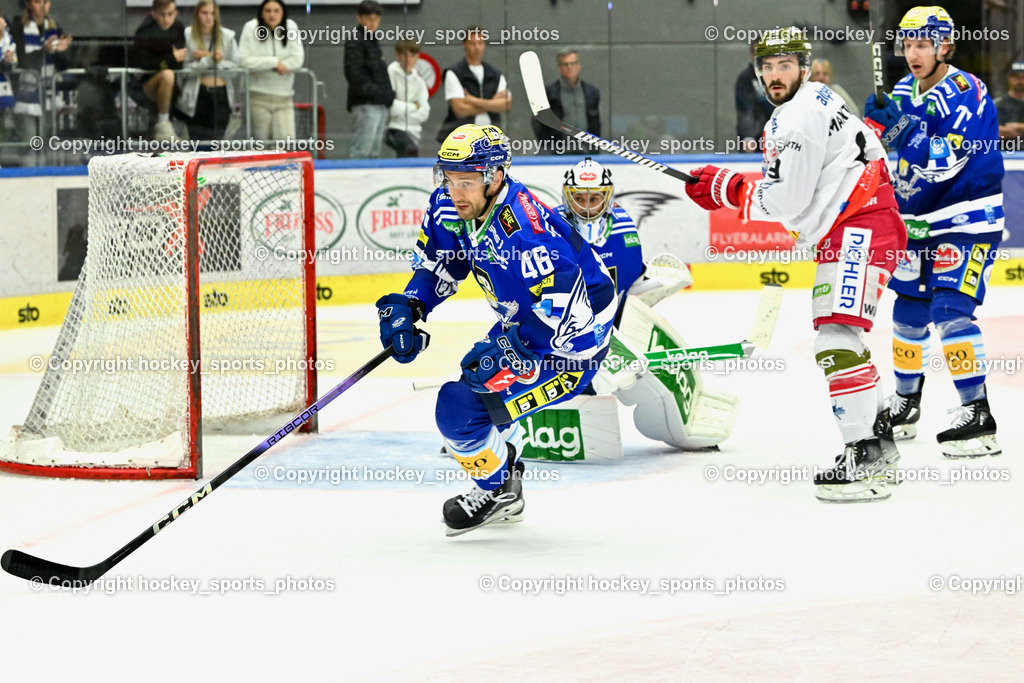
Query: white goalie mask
[[590, 196]]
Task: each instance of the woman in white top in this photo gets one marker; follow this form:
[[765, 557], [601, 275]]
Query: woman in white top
[[270, 47], [208, 98]]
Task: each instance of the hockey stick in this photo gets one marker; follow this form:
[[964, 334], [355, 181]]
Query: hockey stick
[[533, 80], [754, 345], [39, 570], [876, 17]]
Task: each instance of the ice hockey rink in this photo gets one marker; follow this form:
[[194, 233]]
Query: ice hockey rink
[[277, 578]]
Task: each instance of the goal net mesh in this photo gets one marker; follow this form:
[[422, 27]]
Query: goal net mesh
[[116, 390]]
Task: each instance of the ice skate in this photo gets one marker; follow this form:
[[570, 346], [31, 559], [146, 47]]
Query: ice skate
[[859, 475], [904, 412], [477, 508], [973, 433], [883, 430]]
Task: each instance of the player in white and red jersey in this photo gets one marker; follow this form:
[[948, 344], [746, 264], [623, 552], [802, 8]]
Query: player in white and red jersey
[[825, 179]]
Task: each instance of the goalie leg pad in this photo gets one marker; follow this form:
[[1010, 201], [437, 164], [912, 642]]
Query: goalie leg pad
[[582, 428], [685, 419], [673, 405]]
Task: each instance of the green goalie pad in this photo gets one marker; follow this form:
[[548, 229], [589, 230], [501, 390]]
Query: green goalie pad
[[582, 428], [672, 402]]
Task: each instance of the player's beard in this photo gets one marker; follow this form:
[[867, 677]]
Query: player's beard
[[786, 96]]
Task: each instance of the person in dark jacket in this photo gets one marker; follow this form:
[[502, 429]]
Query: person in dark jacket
[[159, 46], [475, 90], [573, 101], [369, 88]]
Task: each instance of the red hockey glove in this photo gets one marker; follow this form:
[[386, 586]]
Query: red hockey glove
[[715, 188]]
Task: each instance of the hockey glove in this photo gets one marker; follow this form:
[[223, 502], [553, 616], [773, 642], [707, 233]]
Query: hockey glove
[[715, 188], [397, 313], [888, 122], [494, 364]]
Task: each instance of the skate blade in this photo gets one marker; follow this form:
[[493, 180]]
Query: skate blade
[[513, 511], [977, 447], [904, 432], [858, 492]]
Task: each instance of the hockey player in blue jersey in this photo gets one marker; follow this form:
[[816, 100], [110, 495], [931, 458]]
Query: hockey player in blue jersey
[[943, 126], [554, 300]]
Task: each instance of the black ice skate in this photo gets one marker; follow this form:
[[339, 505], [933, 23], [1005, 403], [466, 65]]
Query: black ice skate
[[973, 433], [883, 430], [859, 475], [478, 507], [904, 412]]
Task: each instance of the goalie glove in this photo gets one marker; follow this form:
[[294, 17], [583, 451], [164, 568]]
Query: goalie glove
[[663, 276], [715, 188]]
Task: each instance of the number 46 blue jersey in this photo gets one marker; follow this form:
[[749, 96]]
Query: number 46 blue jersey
[[534, 269]]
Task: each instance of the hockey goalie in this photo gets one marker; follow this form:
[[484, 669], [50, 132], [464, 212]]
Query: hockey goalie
[[672, 404]]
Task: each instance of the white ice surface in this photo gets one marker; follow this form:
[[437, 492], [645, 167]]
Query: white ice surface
[[407, 603]]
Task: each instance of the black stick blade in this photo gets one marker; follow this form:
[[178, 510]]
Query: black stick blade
[[38, 570]]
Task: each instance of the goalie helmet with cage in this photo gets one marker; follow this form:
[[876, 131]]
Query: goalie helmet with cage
[[590, 195], [473, 149], [780, 42], [927, 23]]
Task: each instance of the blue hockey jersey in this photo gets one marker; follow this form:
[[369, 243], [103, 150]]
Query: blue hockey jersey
[[534, 268], [618, 246], [949, 173]]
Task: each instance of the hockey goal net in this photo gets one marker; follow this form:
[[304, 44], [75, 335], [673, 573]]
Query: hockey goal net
[[194, 313]]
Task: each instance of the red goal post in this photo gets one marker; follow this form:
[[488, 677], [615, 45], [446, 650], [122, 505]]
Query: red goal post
[[195, 311]]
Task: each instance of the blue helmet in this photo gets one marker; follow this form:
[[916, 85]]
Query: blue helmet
[[926, 23], [472, 148]]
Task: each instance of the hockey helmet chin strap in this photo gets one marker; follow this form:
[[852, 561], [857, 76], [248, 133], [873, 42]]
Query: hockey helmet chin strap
[[489, 199]]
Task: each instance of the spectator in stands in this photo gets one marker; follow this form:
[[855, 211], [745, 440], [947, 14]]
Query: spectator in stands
[[266, 47], [752, 107], [476, 92], [207, 99], [573, 101], [40, 45], [821, 72], [369, 89], [159, 47], [8, 60], [411, 107], [1010, 110]]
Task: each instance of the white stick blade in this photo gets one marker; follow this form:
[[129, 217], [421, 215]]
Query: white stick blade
[[533, 81], [767, 314]]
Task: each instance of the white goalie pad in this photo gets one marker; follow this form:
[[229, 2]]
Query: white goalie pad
[[665, 275], [672, 404]]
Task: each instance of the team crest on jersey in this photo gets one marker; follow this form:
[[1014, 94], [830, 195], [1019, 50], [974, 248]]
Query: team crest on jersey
[[905, 188], [576, 317], [961, 83], [930, 109], [508, 221]]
